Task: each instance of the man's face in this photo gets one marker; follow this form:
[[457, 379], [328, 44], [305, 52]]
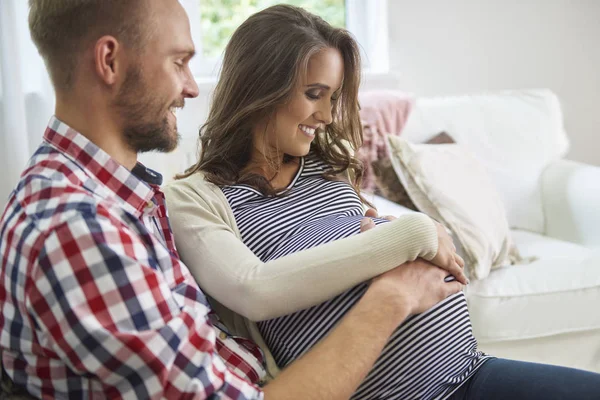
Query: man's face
[[157, 82]]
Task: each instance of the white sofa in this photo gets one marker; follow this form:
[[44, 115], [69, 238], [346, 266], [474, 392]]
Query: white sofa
[[547, 310]]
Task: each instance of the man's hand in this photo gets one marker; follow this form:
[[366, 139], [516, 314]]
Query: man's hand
[[414, 286], [446, 257]]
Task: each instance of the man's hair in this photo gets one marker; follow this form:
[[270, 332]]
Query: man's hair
[[62, 29]]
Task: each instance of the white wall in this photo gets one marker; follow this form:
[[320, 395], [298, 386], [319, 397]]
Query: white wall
[[462, 46]]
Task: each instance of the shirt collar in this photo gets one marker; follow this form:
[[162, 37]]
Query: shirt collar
[[135, 188]]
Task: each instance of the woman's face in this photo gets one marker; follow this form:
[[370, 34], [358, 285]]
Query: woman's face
[[293, 127]]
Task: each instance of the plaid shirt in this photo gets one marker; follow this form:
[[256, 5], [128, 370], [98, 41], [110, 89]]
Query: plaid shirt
[[94, 300]]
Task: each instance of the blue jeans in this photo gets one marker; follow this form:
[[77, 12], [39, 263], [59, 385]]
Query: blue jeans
[[500, 379]]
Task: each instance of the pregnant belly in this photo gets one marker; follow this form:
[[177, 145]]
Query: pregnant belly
[[428, 353], [442, 336]]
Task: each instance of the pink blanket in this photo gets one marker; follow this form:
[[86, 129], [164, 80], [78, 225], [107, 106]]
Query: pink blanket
[[382, 112]]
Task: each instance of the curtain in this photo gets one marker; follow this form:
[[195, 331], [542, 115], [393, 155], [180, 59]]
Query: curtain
[[26, 95]]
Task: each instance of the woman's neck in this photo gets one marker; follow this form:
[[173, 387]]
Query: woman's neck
[[278, 169]]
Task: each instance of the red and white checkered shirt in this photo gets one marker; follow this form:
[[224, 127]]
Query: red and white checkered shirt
[[94, 300]]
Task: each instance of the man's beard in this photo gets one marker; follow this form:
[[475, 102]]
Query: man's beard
[[137, 107]]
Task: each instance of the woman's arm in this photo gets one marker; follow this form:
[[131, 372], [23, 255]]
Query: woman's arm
[[228, 270]]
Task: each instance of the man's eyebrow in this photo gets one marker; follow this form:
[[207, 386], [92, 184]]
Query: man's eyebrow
[[318, 85], [189, 53]]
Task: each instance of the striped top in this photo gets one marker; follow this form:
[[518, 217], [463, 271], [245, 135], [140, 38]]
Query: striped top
[[428, 357]]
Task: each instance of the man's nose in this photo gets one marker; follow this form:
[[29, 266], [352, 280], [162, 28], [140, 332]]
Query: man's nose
[[190, 88]]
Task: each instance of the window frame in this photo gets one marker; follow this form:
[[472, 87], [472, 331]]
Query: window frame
[[365, 19]]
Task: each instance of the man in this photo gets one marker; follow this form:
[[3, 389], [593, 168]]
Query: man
[[95, 301]]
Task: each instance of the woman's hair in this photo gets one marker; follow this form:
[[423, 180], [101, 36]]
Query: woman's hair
[[265, 58]]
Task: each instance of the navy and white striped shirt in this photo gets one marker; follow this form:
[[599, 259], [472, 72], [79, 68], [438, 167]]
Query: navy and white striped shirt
[[428, 357]]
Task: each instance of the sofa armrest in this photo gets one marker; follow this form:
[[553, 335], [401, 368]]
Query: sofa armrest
[[571, 200]]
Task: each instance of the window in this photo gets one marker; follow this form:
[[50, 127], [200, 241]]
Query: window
[[214, 21]]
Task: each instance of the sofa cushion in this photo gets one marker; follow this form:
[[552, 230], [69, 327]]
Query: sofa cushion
[[532, 244], [387, 207], [556, 294], [447, 183], [515, 134], [387, 183]]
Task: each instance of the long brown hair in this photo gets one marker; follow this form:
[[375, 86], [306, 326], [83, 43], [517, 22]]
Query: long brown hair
[[263, 62]]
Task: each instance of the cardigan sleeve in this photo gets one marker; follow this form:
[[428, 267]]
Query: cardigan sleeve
[[208, 242]]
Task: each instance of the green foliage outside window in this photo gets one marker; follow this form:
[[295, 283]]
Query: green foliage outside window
[[220, 18]]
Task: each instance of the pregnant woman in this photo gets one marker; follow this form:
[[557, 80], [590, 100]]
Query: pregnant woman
[[277, 176]]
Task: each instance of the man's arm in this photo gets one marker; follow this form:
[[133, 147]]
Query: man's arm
[[105, 307], [337, 365]]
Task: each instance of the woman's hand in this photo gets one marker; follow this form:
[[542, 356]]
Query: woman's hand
[[446, 257], [372, 213]]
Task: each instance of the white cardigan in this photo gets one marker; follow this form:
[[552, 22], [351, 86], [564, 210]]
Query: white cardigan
[[248, 290]]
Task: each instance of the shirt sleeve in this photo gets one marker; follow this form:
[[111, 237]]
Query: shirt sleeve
[[107, 308], [224, 265]]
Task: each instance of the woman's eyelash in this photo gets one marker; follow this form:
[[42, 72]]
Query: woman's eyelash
[[313, 96]]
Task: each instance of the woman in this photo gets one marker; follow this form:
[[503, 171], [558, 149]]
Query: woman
[[277, 170]]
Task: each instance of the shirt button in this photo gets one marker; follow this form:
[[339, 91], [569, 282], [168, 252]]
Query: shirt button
[[223, 335], [149, 204]]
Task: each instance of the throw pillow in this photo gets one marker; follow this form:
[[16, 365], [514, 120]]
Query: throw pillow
[[450, 185], [382, 112], [387, 183]]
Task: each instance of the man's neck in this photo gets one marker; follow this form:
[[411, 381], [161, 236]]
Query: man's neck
[[97, 125]]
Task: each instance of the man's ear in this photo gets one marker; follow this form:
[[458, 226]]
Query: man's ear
[[108, 59]]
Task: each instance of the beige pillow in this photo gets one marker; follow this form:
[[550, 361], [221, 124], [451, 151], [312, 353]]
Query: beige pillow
[[450, 185], [387, 183]]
